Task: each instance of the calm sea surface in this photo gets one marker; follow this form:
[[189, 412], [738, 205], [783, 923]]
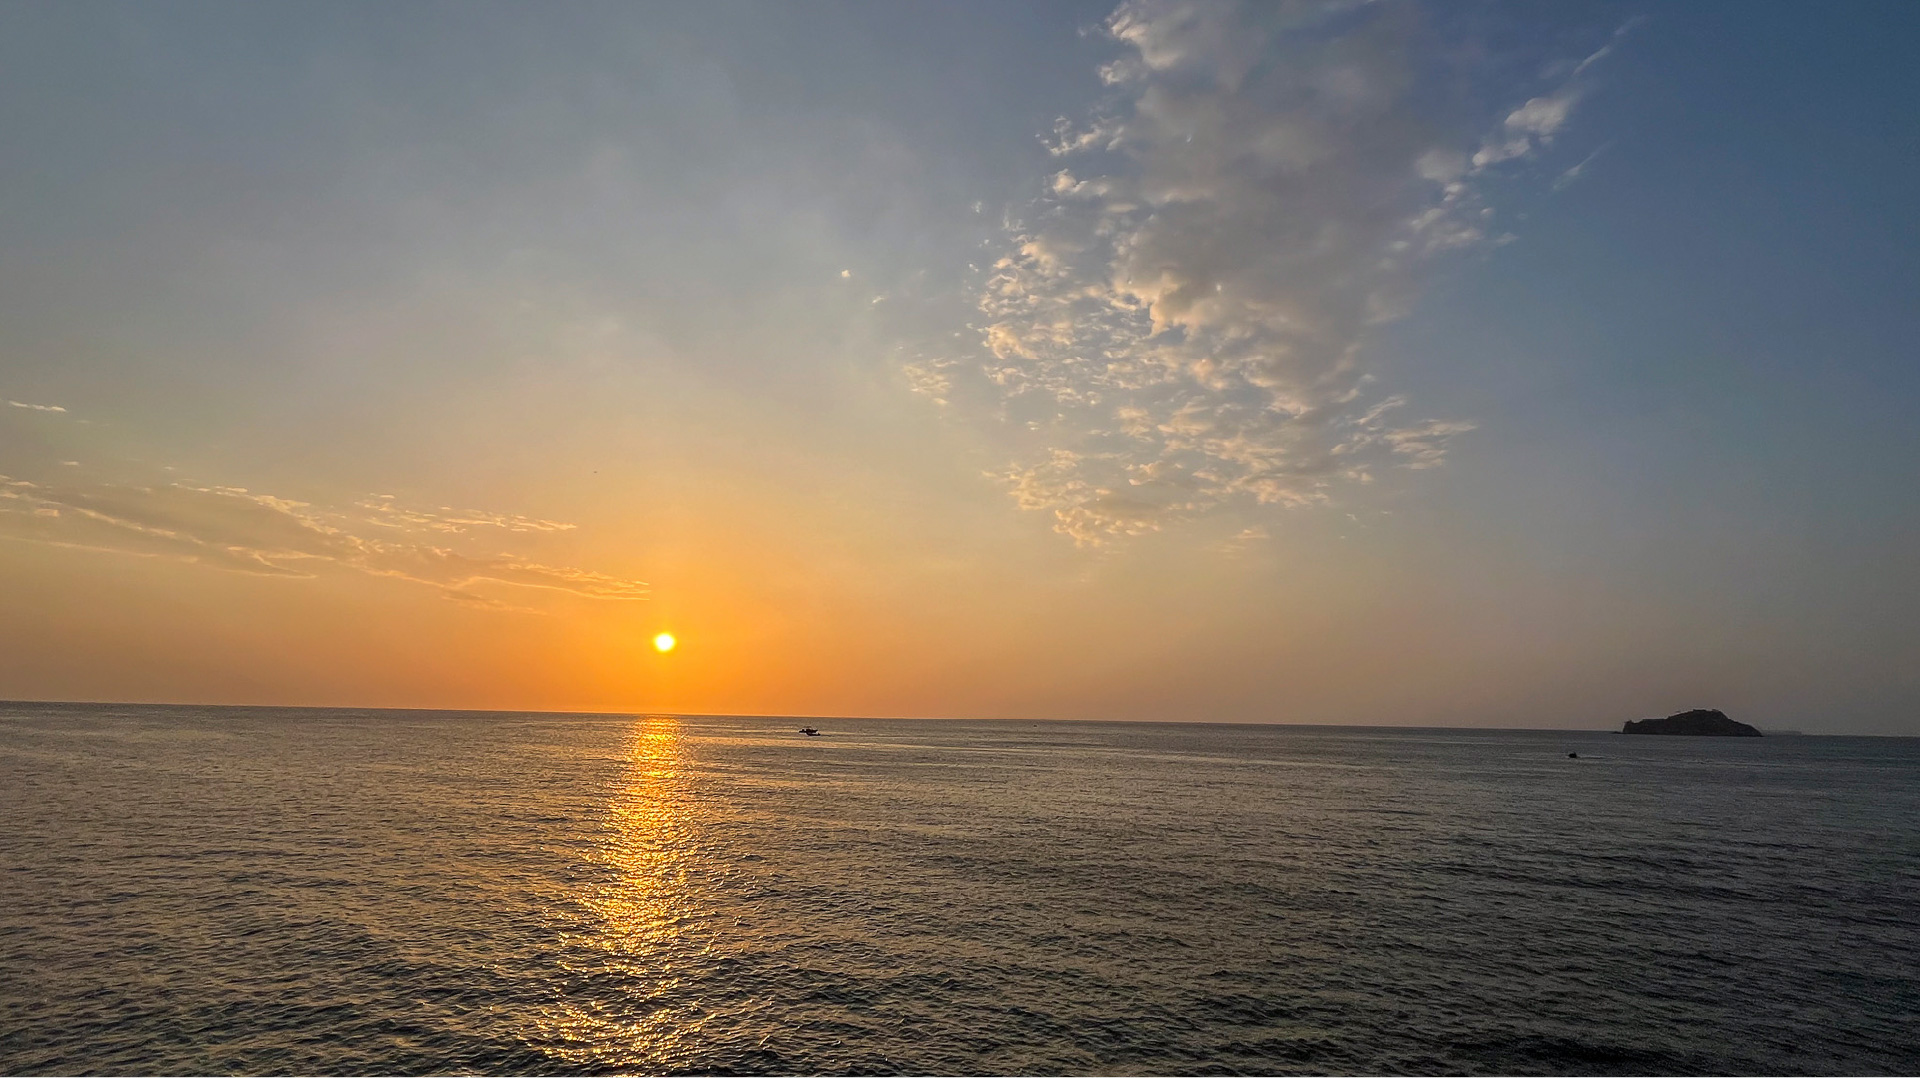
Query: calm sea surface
[[260, 890]]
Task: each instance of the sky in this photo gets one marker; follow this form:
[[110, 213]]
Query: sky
[[1450, 364]]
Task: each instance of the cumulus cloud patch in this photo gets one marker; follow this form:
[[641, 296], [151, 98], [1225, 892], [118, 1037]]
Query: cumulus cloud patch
[[245, 531], [1180, 319]]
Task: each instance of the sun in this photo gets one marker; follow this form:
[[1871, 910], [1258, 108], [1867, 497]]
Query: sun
[[664, 642]]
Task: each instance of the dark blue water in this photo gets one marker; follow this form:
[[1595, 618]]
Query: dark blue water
[[257, 890]]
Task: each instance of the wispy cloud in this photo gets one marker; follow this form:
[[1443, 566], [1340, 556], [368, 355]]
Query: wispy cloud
[[245, 531], [1180, 319], [37, 407], [385, 511], [1244, 540], [1577, 170]]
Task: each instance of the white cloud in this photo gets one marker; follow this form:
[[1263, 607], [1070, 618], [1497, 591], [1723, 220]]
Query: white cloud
[[385, 512], [1528, 128], [1542, 116], [37, 407], [244, 531], [1182, 317], [1604, 51], [1578, 170]]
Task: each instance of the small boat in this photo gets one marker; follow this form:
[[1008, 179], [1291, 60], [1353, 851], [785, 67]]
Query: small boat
[[809, 731]]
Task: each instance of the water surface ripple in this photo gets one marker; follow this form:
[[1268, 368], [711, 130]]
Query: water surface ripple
[[246, 890]]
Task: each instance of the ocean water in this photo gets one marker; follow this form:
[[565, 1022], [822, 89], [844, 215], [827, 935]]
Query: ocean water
[[327, 891]]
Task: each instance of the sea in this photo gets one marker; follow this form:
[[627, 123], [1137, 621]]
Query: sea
[[196, 890]]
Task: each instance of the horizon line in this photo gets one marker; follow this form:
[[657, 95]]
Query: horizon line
[[644, 712]]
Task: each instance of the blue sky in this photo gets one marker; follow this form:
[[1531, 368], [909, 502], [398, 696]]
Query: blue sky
[[1452, 364]]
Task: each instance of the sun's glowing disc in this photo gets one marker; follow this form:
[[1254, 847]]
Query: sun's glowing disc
[[664, 642]]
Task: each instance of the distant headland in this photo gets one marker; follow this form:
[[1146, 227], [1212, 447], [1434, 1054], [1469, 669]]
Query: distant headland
[[1700, 722]]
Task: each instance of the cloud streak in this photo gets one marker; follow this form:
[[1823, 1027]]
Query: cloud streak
[[1180, 321], [36, 407], [239, 530], [385, 512]]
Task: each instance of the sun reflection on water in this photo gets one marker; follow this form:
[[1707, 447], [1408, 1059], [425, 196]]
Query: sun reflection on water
[[626, 1000], [650, 844]]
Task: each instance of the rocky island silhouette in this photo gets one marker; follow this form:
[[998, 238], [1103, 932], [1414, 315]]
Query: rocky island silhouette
[[1700, 722]]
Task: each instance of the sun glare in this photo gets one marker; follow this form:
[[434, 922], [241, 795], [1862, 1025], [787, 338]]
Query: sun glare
[[664, 642]]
